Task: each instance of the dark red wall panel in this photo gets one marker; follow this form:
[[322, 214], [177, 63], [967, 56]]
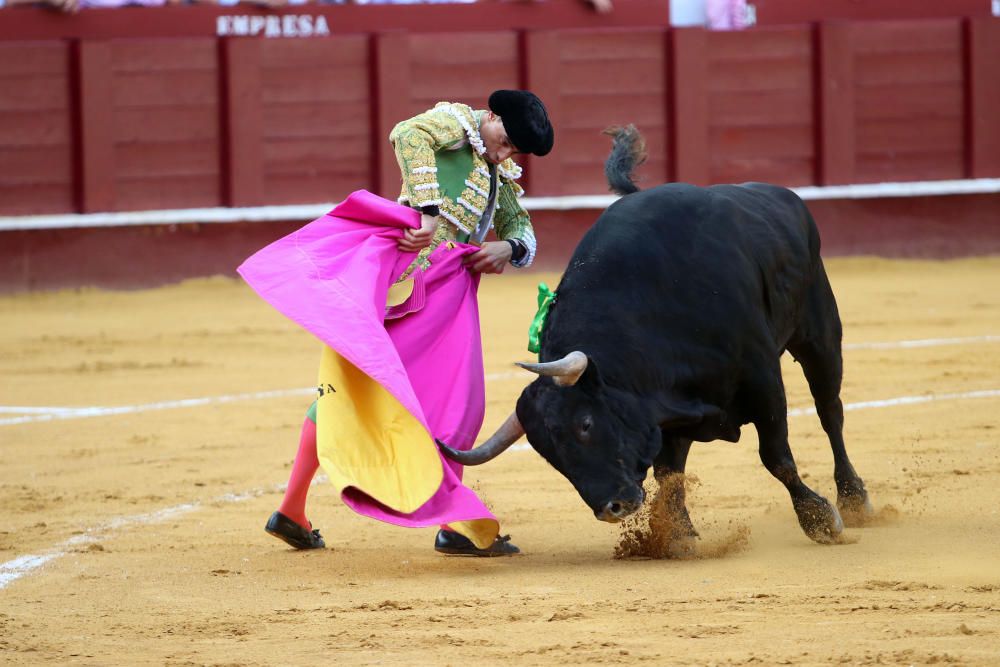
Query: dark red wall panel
[[165, 123], [776, 12], [36, 144], [940, 227], [99, 124], [460, 67], [688, 98], [909, 101], [983, 81], [539, 51], [606, 78], [315, 119], [760, 107]]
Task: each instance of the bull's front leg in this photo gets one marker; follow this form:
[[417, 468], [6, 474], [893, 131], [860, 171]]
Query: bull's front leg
[[819, 519], [669, 516]]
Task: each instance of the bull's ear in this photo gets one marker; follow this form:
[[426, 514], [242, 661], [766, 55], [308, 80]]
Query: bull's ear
[[591, 378]]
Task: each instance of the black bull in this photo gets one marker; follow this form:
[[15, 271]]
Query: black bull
[[667, 328]]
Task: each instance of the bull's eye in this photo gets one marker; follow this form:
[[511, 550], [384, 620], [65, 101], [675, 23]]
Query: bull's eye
[[583, 427]]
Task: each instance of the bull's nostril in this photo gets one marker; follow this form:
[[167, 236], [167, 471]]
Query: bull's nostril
[[616, 508]]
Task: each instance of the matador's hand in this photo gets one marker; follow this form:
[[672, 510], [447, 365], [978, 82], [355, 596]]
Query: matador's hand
[[492, 257], [415, 240]]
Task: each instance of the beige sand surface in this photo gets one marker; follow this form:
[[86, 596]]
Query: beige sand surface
[[151, 521]]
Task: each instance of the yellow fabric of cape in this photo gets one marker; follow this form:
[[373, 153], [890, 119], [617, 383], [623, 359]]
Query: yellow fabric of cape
[[482, 532], [367, 440]]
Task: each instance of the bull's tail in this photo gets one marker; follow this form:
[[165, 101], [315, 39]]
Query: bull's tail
[[628, 151]]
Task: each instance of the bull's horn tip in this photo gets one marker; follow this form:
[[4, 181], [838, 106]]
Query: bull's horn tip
[[443, 446]]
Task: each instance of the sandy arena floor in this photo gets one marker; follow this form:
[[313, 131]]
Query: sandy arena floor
[[135, 537]]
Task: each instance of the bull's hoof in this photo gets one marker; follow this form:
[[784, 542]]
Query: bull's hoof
[[856, 509], [682, 547], [820, 520]]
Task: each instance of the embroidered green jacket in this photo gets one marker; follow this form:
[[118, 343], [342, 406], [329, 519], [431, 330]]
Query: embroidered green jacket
[[441, 160]]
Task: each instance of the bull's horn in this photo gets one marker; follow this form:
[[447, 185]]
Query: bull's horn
[[506, 435], [564, 372]]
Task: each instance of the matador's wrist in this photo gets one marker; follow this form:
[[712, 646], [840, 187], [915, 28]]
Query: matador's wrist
[[517, 250]]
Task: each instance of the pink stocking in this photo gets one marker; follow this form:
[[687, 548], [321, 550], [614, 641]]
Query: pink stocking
[[306, 463]]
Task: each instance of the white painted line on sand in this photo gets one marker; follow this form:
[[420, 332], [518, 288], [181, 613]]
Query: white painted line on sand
[[24, 565], [905, 400], [922, 342], [17, 568], [43, 414], [97, 411], [32, 409]]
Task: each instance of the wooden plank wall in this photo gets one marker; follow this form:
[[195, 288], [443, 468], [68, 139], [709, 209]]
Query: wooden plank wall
[[459, 67], [783, 12], [761, 120], [602, 79], [909, 101], [153, 123], [163, 116], [316, 124], [297, 119], [36, 134], [148, 118], [983, 85]]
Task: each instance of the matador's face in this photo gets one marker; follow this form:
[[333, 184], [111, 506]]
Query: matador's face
[[498, 144]]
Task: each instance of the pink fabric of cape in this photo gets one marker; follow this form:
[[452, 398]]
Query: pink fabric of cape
[[332, 276]]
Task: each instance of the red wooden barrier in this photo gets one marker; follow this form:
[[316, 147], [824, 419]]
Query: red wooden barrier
[[36, 132], [106, 123], [909, 102], [316, 124], [983, 82], [760, 103], [597, 79], [783, 12], [835, 104], [242, 123]]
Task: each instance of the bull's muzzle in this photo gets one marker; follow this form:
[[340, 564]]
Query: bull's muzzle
[[616, 510]]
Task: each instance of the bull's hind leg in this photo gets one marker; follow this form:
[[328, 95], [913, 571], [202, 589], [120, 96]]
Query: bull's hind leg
[[669, 517], [819, 519], [816, 346]]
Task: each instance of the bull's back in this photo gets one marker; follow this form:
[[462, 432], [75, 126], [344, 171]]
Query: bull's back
[[720, 267], [679, 232]]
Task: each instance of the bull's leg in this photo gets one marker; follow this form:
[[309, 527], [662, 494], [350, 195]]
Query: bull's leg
[[816, 347], [669, 517], [765, 395], [819, 519]]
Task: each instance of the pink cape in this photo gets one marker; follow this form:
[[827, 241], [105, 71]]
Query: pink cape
[[332, 277]]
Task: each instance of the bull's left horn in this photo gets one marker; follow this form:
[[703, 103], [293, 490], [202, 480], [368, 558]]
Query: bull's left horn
[[506, 435], [564, 372]]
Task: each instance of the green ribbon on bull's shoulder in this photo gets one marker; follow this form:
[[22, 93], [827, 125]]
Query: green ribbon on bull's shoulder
[[546, 298]]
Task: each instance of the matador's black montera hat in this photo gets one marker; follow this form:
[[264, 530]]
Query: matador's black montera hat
[[525, 120]]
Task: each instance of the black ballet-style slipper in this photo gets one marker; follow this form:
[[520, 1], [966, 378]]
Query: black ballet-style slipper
[[293, 534], [453, 544]]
